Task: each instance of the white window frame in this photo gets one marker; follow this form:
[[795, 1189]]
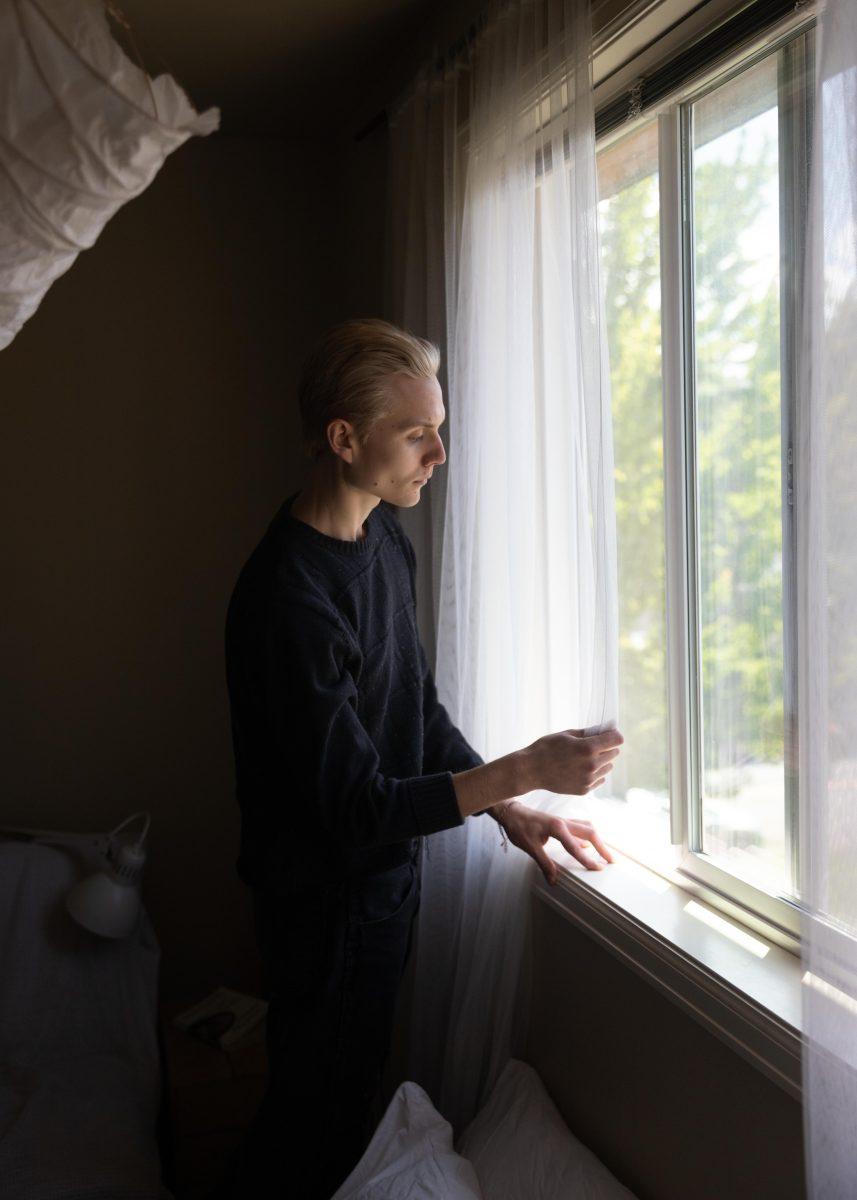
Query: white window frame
[[777, 918]]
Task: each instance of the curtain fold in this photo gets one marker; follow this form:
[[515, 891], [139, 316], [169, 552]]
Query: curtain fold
[[495, 257], [827, 619]]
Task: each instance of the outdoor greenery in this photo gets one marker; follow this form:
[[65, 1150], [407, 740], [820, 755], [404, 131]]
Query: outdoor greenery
[[739, 473], [631, 281]]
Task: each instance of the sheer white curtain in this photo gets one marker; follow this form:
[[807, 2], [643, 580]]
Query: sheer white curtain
[[827, 574], [499, 142]]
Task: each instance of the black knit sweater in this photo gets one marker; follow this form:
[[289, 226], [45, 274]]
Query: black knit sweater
[[343, 753]]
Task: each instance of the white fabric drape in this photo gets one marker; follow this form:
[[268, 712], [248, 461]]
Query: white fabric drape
[[500, 142], [827, 616], [82, 131]]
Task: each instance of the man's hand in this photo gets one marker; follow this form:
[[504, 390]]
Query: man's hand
[[529, 829], [570, 763]]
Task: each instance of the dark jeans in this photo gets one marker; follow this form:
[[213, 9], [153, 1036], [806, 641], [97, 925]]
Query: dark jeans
[[333, 961]]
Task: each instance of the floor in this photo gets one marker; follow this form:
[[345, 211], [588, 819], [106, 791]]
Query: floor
[[210, 1096]]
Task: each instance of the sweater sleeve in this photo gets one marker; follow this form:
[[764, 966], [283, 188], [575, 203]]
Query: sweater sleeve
[[331, 761]]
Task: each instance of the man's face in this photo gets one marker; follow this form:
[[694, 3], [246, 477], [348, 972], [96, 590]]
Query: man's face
[[404, 448]]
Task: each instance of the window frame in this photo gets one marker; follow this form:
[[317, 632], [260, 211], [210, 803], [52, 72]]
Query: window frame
[[777, 918]]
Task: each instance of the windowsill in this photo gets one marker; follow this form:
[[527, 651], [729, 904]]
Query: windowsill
[[739, 985]]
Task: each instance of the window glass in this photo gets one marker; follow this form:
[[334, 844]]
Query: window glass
[[736, 303], [628, 215]]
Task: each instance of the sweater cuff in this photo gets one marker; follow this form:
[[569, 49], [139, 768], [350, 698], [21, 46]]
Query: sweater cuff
[[435, 803]]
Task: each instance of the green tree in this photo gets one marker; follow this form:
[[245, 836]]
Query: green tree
[[738, 467]]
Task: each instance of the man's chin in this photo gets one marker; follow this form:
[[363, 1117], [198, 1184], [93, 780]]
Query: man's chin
[[407, 496]]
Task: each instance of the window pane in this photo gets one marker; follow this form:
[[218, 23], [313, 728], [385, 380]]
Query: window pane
[[736, 262], [630, 245]]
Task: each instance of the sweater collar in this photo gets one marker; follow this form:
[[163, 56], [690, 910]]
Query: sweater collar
[[308, 533]]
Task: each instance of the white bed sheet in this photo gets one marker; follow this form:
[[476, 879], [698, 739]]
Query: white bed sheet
[[79, 1063]]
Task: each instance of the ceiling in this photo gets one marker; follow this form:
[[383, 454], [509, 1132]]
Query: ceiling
[[286, 68]]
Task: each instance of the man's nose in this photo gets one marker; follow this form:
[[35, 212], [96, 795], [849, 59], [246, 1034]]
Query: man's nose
[[439, 461]]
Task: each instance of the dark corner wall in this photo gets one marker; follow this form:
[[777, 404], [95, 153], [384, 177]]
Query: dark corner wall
[[146, 439], [148, 433]]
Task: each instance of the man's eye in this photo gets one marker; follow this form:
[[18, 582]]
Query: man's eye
[[416, 439]]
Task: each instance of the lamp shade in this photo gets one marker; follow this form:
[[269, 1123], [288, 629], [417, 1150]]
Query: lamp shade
[[108, 902]]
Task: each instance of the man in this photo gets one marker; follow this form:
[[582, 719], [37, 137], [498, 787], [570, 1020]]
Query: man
[[345, 759]]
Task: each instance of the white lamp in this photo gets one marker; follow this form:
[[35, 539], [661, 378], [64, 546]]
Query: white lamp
[[108, 901]]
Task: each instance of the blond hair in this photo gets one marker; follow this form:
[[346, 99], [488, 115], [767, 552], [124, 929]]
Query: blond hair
[[345, 377]]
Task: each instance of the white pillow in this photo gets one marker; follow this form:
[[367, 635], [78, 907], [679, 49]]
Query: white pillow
[[411, 1156], [522, 1149]]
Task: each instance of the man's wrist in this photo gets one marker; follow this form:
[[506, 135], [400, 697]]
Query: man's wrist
[[490, 784], [499, 811], [521, 762]]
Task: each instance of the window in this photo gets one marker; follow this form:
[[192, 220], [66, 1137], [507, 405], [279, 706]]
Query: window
[[702, 203]]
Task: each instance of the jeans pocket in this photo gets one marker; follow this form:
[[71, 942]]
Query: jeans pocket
[[385, 896]]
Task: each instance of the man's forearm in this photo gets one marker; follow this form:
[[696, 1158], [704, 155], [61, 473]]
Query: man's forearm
[[489, 785]]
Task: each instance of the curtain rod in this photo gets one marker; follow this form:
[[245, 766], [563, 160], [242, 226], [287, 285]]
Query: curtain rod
[[461, 43], [452, 52]]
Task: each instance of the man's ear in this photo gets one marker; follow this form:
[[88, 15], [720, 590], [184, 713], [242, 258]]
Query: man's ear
[[342, 438]]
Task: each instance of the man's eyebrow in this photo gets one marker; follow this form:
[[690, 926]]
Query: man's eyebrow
[[413, 424]]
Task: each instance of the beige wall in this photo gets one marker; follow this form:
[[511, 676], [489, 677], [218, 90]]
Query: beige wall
[[667, 1106]]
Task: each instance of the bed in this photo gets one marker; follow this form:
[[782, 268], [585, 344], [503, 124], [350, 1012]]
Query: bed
[[81, 1095], [81, 1098]]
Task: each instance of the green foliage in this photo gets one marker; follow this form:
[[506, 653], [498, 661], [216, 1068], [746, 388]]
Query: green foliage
[[739, 454], [738, 464], [629, 230]]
